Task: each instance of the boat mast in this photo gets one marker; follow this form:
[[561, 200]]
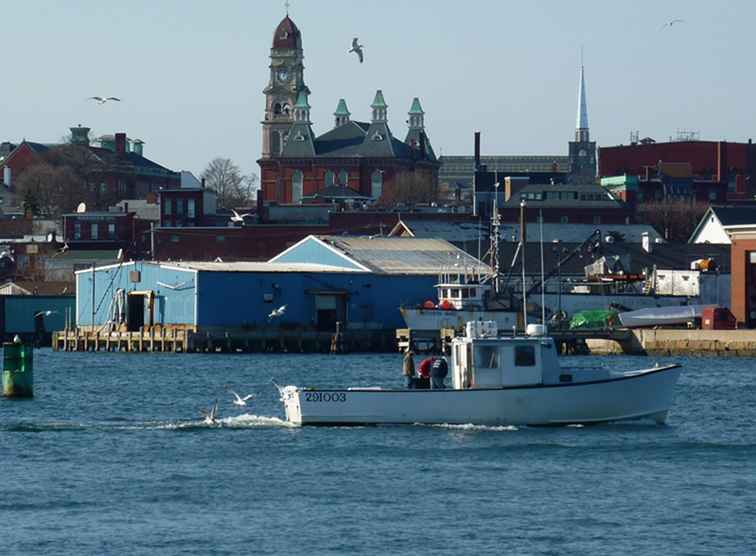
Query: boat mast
[[522, 264], [495, 233], [543, 282]]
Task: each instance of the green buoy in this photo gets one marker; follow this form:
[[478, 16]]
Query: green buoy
[[18, 370]]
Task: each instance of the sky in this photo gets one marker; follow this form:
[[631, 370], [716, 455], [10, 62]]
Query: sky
[[191, 73]]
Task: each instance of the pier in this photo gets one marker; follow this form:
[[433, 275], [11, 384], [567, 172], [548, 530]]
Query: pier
[[190, 340]]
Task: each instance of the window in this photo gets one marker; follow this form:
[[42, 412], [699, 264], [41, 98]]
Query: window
[[524, 356], [712, 195], [275, 142], [179, 207], [174, 239], [564, 220], [190, 208], [168, 207], [77, 230], [343, 178], [376, 184], [596, 219], [95, 228], [488, 357], [330, 178], [220, 239], [111, 231], [297, 186]]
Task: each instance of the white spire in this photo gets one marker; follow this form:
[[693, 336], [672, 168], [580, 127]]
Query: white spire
[[582, 114]]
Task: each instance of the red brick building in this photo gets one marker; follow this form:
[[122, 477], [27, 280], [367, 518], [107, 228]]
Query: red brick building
[[363, 156], [702, 170]]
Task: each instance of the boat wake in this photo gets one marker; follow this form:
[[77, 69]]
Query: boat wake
[[244, 421], [471, 427]]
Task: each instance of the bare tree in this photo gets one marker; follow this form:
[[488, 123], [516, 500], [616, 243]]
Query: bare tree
[[233, 188], [675, 220], [410, 187]]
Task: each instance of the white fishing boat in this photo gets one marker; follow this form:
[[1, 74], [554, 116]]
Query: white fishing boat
[[460, 298], [497, 380]]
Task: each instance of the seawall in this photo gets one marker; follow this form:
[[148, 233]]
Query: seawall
[[679, 342]]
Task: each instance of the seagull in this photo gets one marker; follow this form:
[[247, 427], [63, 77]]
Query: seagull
[[238, 400], [239, 217], [103, 100], [210, 417], [357, 48], [45, 313], [671, 23], [277, 312]]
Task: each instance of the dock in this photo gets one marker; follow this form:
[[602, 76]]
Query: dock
[[191, 340]]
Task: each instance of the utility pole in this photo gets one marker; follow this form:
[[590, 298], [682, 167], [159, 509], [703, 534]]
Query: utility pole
[[523, 239]]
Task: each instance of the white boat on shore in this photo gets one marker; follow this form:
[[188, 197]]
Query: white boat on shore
[[497, 381]]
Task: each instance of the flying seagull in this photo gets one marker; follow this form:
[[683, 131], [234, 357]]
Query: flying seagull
[[239, 217], [210, 416], [277, 312], [671, 23], [238, 400], [45, 313], [357, 48], [103, 100]]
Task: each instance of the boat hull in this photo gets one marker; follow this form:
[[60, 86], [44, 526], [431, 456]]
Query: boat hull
[[436, 319], [642, 394]]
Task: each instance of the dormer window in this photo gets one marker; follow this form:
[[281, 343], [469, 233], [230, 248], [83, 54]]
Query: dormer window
[[377, 136], [299, 137]]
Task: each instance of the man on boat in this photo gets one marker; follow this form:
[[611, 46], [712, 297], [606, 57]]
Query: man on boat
[[423, 372], [408, 368], [438, 371]]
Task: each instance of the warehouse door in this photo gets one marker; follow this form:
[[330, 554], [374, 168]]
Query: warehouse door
[[751, 290], [329, 309], [135, 316]]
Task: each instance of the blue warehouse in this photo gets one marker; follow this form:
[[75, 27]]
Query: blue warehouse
[[358, 281]]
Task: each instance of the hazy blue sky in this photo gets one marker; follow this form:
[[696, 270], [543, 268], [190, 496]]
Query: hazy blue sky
[[191, 73]]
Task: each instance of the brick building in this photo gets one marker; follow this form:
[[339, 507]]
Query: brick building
[[705, 171], [363, 156]]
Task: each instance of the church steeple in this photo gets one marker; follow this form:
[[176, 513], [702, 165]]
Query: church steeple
[[342, 113], [581, 128]]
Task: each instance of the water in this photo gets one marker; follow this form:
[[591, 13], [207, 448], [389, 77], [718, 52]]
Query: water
[[111, 457]]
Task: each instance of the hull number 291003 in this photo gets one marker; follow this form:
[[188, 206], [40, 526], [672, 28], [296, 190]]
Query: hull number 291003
[[325, 396]]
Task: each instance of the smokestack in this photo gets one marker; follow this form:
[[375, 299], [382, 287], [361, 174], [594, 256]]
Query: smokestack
[[722, 169], [477, 150], [120, 143]]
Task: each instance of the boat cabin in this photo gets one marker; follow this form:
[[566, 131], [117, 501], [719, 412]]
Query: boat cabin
[[483, 359], [459, 291]]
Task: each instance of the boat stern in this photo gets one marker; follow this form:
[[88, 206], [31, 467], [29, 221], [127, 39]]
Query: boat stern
[[292, 407]]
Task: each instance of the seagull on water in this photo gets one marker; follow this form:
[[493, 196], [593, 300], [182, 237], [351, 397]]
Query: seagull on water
[[210, 416], [275, 313], [239, 217], [238, 400], [671, 23], [103, 100], [357, 48]]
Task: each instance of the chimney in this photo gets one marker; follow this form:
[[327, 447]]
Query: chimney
[[477, 150], [722, 162], [120, 143], [646, 243], [125, 207], [203, 183]]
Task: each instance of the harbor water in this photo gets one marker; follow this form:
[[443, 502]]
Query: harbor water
[[112, 457]]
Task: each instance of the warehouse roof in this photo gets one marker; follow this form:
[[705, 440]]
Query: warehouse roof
[[245, 266], [384, 255]]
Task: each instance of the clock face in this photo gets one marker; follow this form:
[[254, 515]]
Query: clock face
[[282, 74]]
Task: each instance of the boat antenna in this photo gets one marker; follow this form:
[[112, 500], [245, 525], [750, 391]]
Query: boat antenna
[[523, 230], [543, 284], [480, 233]]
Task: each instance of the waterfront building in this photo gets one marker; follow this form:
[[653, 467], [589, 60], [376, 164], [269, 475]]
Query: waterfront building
[[360, 282], [718, 221]]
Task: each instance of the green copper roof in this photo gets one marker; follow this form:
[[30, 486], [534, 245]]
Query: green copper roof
[[341, 109], [416, 108], [378, 101], [302, 100]]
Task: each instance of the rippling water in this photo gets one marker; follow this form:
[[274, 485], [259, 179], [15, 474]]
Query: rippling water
[[111, 457]]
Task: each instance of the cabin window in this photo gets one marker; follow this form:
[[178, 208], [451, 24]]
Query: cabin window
[[465, 293], [524, 356], [455, 293], [488, 357]]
